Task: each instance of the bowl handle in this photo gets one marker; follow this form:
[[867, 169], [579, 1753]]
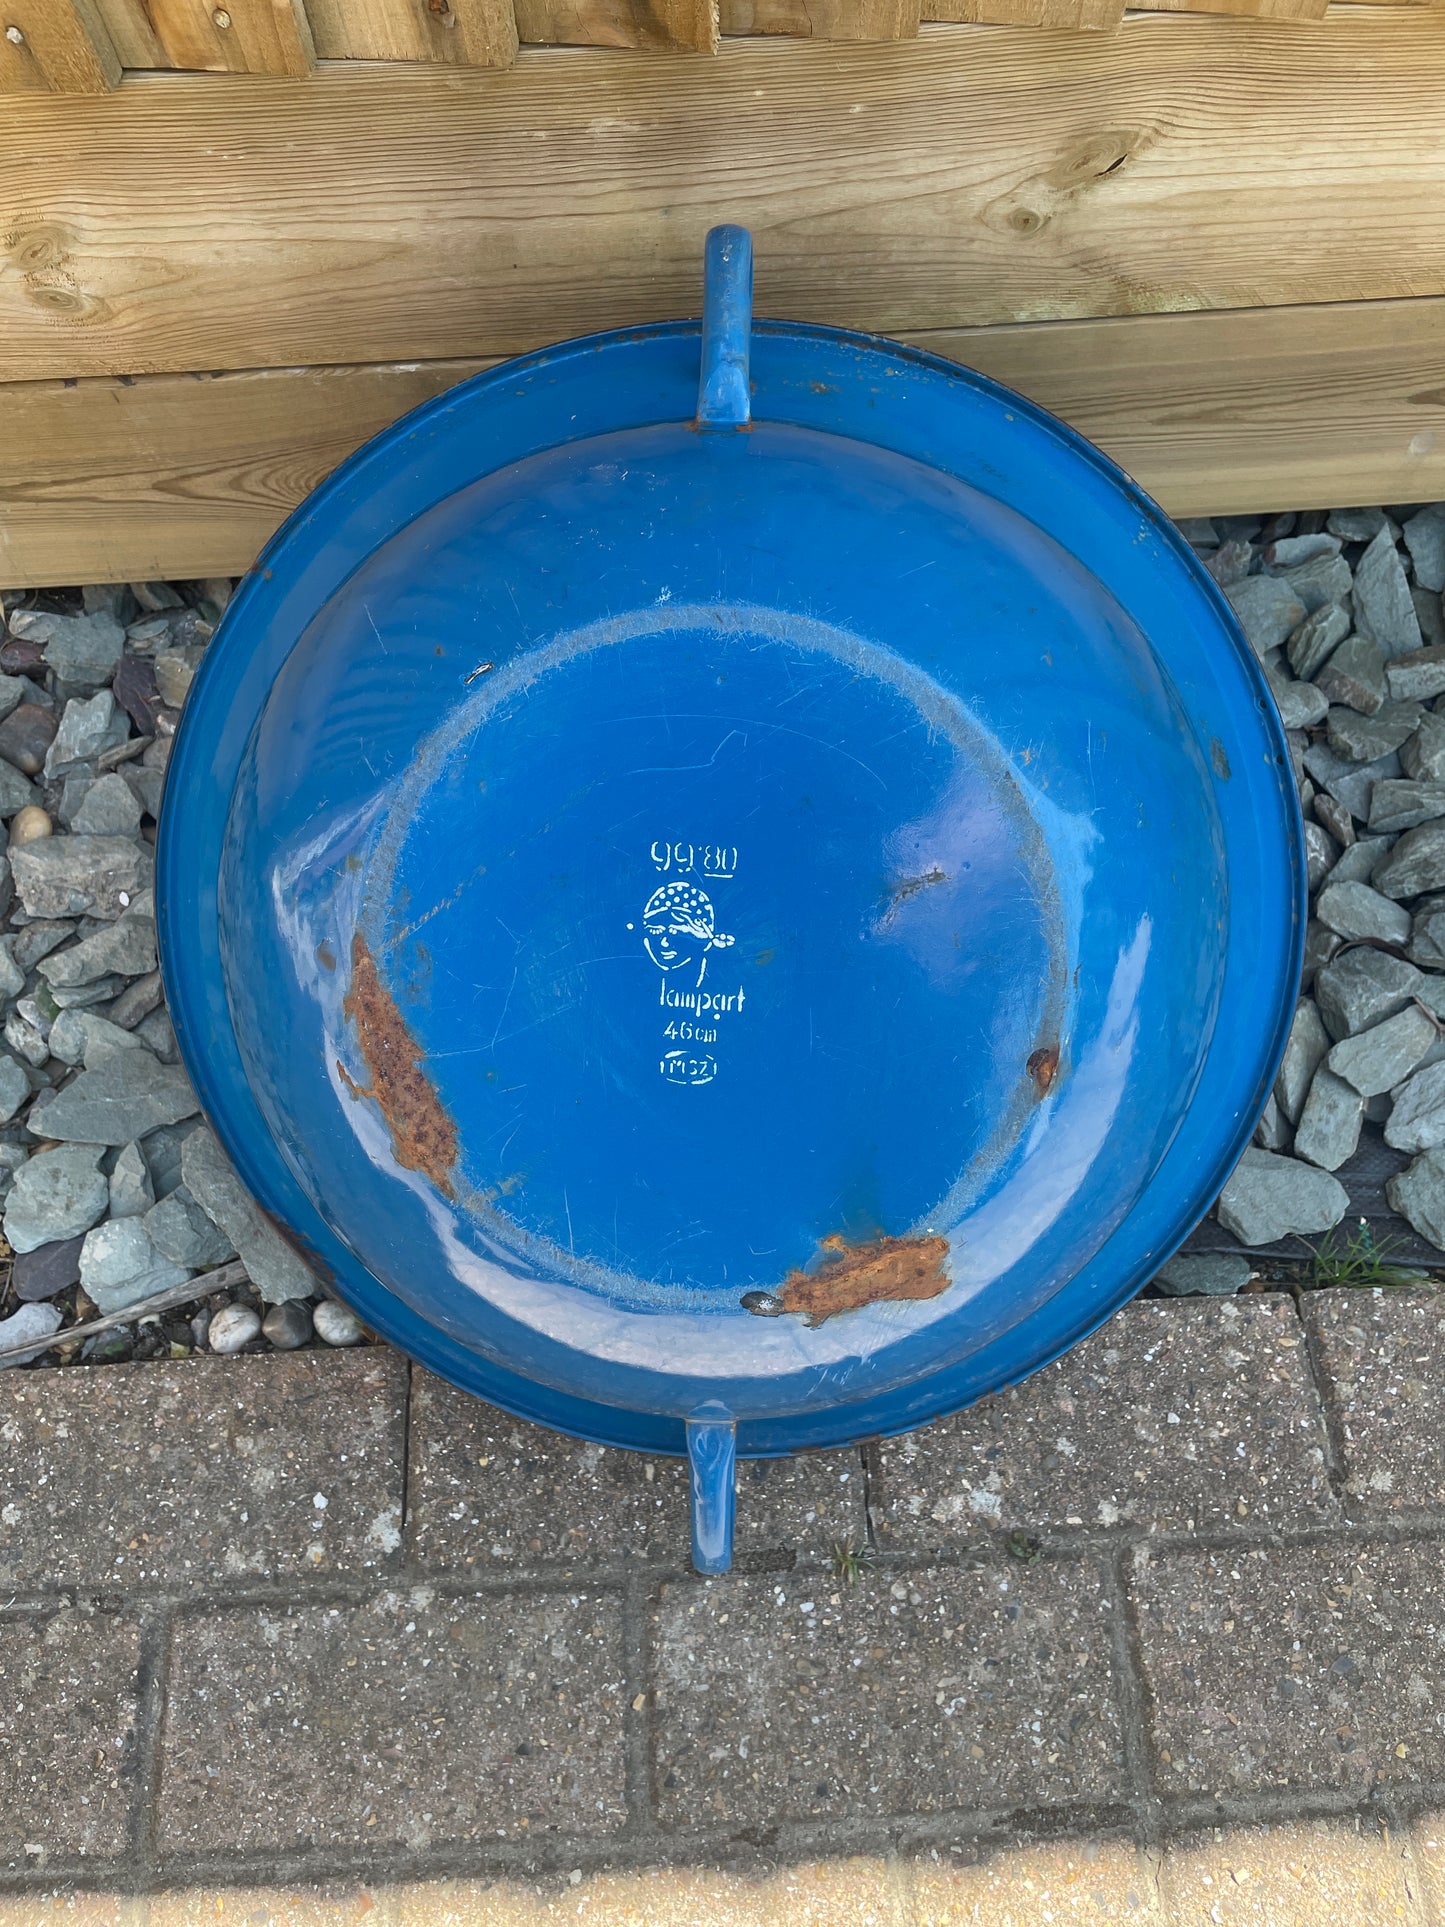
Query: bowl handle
[[712, 1435], [723, 400]]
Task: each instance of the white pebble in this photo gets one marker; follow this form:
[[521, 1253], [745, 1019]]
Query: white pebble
[[336, 1324], [232, 1328]]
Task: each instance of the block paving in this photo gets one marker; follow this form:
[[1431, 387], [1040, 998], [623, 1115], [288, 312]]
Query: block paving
[[319, 1618]]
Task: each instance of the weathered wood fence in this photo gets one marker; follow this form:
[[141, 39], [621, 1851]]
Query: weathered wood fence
[[237, 239]]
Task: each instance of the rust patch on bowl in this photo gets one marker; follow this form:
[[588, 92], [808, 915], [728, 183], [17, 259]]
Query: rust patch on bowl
[[1043, 1068], [423, 1137], [884, 1270]]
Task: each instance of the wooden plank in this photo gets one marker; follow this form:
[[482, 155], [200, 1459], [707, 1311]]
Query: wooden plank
[[690, 25], [1066, 15], [55, 47], [822, 19], [212, 36], [973, 175], [464, 33], [1262, 409], [133, 34]]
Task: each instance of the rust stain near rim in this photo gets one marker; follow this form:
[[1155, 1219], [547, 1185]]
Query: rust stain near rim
[[423, 1137], [882, 1271], [1043, 1068]]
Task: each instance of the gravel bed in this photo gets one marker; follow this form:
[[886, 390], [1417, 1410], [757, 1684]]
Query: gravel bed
[[114, 1190], [1345, 612]]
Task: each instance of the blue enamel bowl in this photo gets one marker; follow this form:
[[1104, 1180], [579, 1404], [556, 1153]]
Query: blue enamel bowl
[[731, 884]]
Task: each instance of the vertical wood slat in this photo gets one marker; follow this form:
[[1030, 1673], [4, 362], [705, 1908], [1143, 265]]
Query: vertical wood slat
[[690, 25], [823, 19], [212, 36], [55, 47], [466, 33]]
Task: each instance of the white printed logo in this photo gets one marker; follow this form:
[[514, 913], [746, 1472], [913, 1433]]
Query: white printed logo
[[681, 928]]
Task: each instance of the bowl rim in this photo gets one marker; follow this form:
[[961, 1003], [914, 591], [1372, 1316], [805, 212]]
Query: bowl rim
[[218, 723]]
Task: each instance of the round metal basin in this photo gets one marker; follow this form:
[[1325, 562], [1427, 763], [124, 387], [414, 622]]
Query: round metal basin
[[731, 877]]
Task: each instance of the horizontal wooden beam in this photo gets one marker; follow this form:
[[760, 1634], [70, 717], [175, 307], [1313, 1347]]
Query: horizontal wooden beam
[[974, 174], [186, 475]]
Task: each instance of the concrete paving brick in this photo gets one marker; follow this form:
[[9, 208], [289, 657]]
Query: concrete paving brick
[[412, 1720], [1308, 1875], [67, 1714], [791, 1698], [1308, 1666], [1382, 1358], [174, 1474], [490, 1490], [1175, 1416]]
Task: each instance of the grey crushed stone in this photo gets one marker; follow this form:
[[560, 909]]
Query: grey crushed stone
[[88, 725], [1417, 1115], [1309, 646], [1329, 1125], [131, 1190], [1377, 1059], [1423, 755], [275, 1269], [56, 1194], [1401, 805], [1418, 676], [182, 1232], [1360, 861], [83, 650], [126, 1096], [1323, 580], [1384, 610], [1349, 783], [1363, 987], [1358, 911], [1416, 864], [1268, 611], [1203, 1274], [1269, 1197], [1308, 1043], [1300, 704], [1424, 536], [1418, 1194], [1355, 676], [67, 876], [119, 1265], [1365, 739]]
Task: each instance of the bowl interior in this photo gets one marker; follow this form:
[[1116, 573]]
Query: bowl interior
[[713, 915]]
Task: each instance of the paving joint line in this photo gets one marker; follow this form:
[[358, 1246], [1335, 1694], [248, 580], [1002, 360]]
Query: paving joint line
[[1131, 1691], [152, 1699]]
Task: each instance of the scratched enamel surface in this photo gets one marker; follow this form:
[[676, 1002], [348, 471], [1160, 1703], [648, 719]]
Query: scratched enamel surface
[[720, 929], [729, 821]]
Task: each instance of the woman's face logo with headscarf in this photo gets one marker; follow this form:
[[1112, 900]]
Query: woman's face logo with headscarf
[[680, 929]]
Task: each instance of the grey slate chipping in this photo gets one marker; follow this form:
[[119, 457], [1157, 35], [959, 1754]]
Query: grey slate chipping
[[1268, 1198], [1383, 609], [1329, 1128]]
